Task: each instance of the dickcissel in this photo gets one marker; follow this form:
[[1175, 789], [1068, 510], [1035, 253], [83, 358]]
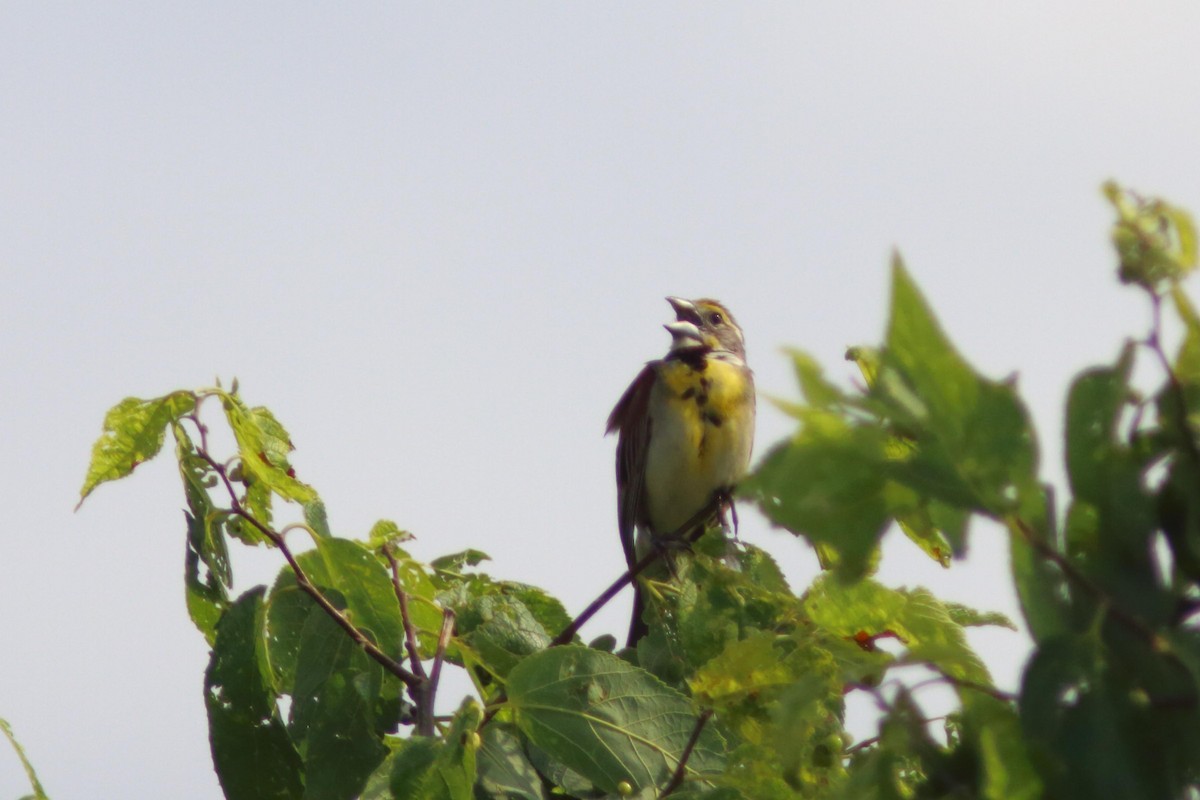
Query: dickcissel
[[685, 430]]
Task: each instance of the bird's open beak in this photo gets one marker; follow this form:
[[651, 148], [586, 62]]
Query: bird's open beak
[[684, 336], [685, 310]]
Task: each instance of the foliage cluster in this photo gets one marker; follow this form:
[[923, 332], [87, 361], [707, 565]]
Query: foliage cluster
[[323, 685]]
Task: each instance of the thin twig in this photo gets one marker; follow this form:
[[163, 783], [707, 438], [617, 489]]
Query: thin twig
[[689, 532], [439, 655], [422, 695], [865, 743], [1073, 574], [410, 631], [961, 683], [681, 768]]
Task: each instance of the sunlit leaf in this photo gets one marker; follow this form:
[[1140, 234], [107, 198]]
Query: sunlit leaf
[[264, 447], [133, 433]]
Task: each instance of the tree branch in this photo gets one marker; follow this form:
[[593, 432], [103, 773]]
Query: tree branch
[[307, 586], [439, 655], [422, 695]]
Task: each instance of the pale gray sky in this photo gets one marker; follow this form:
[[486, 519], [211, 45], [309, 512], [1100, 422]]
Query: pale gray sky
[[435, 242]]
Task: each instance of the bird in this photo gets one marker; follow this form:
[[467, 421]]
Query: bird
[[685, 431]]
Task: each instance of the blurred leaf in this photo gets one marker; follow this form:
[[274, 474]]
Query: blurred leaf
[[965, 427], [744, 668], [332, 713], [386, 532], [993, 729], [316, 519], [827, 484], [919, 620], [1093, 410], [38, 792], [458, 562], [253, 756], [783, 695], [133, 433], [916, 519], [1131, 703], [1155, 241], [868, 360], [608, 720], [818, 392], [970, 617]]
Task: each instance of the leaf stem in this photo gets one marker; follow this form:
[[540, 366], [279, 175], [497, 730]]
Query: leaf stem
[[681, 768]]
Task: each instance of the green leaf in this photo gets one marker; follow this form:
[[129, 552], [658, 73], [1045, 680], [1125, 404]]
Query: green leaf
[[827, 484], [782, 695], [1155, 241], [361, 579], [404, 771], [207, 574], [993, 729], [919, 620], [504, 769], [501, 630], [386, 532], [1094, 406], [966, 428], [38, 792], [453, 771], [607, 719], [333, 711], [133, 433], [316, 519], [1041, 589], [970, 617], [868, 361], [287, 612], [264, 445], [818, 392], [253, 756], [745, 668], [460, 561], [916, 519]]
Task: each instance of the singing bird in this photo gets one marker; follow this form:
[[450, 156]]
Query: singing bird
[[685, 431]]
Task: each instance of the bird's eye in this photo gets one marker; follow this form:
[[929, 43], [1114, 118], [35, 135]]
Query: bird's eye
[[715, 318]]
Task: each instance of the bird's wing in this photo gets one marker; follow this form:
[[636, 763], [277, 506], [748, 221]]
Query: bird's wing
[[630, 420]]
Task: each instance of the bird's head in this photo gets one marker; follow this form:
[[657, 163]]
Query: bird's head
[[704, 325]]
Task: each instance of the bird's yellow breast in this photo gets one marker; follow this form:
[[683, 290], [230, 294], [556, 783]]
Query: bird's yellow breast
[[701, 433]]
